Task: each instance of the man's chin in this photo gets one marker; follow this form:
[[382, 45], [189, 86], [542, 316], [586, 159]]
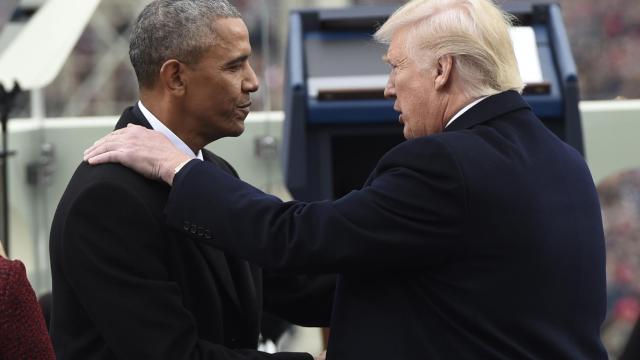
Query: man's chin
[[238, 130], [238, 133], [235, 132]]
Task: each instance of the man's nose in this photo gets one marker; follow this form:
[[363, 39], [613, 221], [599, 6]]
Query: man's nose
[[250, 83], [389, 89]]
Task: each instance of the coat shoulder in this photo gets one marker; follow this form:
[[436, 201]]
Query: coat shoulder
[[424, 154], [106, 187]]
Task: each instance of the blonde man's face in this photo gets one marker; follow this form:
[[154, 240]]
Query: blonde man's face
[[421, 107]]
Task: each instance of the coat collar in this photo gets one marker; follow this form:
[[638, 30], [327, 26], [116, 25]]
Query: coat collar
[[132, 115], [489, 108]]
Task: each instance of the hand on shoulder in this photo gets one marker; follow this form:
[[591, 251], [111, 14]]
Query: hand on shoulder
[[146, 151]]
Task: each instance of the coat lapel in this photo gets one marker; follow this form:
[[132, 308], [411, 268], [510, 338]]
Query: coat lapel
[[246, 288], [219, 267], [132, 115]]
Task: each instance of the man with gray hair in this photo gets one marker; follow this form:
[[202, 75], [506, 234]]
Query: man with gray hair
[[479, 237], [126, 285]]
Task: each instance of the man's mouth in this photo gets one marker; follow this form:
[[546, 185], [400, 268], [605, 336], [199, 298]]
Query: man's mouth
[[244, 109], [400, 115]]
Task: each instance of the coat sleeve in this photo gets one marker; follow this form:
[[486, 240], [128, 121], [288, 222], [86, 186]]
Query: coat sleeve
[[410, 214], [115, 262]]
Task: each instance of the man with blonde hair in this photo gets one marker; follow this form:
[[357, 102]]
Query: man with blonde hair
[[478, 238]]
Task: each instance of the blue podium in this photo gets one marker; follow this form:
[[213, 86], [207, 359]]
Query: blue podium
[[337, 122]]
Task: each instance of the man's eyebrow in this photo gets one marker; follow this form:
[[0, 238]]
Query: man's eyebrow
[[385, 58], [237, 60]]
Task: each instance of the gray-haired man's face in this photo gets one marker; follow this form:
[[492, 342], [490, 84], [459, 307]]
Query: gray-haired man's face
[[220, 84]]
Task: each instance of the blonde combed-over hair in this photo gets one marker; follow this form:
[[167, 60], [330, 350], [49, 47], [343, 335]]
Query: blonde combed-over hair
[[474, 32]]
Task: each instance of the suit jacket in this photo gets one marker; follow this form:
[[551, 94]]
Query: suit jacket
[[23, 334], [127, 286], [481, 242]]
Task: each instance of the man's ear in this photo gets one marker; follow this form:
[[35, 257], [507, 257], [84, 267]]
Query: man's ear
[[444, 68], [172, 77]]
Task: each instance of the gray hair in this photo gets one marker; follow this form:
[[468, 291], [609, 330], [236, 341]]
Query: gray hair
[[474, 32], [174, 29]]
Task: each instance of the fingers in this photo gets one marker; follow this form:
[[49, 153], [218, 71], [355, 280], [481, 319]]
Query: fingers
[[101, 146], [102, 158], [117, 136], [104, 152], [93, 149], [146, 151]]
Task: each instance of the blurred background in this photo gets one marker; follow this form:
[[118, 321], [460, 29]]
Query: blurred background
[[97, 82], [97, 79]]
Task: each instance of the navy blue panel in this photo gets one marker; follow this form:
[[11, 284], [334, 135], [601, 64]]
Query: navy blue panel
[[560, 40], [548, 105], [351, 112], [545, 106]]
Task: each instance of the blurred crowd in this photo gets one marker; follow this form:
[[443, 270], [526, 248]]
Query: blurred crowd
[[98, 80], [620, 201], [605, 39]]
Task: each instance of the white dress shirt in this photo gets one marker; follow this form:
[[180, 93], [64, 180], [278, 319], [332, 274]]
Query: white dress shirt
[[464, 109], [159, 126]]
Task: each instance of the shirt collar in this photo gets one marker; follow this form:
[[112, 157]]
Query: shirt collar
[[159, 126], [465, 109]]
